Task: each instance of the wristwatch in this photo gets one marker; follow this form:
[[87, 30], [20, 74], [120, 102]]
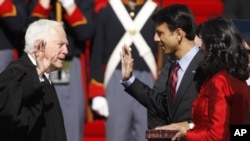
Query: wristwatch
[[190, 124]]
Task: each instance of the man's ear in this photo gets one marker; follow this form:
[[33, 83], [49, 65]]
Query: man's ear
[[179, 34]]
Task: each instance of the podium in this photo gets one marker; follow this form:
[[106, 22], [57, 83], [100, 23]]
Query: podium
[[160, 135]]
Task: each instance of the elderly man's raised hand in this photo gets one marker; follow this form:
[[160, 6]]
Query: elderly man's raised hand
[[42, 64]]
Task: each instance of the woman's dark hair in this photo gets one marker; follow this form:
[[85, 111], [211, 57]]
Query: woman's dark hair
[[177, 16], [224, 48]]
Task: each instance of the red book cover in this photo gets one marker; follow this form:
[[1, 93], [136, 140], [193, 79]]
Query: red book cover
[[160, 135]]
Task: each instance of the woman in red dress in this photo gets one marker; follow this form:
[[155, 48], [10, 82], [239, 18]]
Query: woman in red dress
[[224, 98]]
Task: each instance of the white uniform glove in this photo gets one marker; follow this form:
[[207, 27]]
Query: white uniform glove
[[100, 105], [66, 3]]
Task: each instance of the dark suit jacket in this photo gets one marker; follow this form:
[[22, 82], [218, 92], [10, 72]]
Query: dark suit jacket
[[156, 100], [29, 109]]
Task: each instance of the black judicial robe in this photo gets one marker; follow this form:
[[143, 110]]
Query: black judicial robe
[[29, 109]]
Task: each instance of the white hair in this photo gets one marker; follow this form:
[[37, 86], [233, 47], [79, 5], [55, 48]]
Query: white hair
[[39, 30]]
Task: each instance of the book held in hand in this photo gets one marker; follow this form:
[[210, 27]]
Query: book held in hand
[[160, 135]]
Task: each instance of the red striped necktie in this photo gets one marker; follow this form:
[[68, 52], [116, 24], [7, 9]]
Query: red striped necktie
[[173, 81]]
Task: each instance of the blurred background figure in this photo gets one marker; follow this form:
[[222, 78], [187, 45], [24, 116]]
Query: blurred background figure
[[12, 22], [122, 22], [69, 82], [236, 9], [243, 27]]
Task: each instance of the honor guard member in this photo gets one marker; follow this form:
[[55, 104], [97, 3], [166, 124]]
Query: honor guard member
[[11, 13], [78, 18], [122, 22]]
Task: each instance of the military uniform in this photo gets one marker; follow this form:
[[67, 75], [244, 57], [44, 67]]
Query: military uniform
[[127, 118], [11, 13]]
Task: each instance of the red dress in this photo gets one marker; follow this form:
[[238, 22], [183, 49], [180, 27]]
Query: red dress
[[222, 101]]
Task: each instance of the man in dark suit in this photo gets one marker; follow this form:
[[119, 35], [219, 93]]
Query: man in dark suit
[[29, 106], [175, 32]]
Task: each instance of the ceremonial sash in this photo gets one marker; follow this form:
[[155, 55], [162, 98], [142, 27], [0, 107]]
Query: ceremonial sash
[[132, 35]]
